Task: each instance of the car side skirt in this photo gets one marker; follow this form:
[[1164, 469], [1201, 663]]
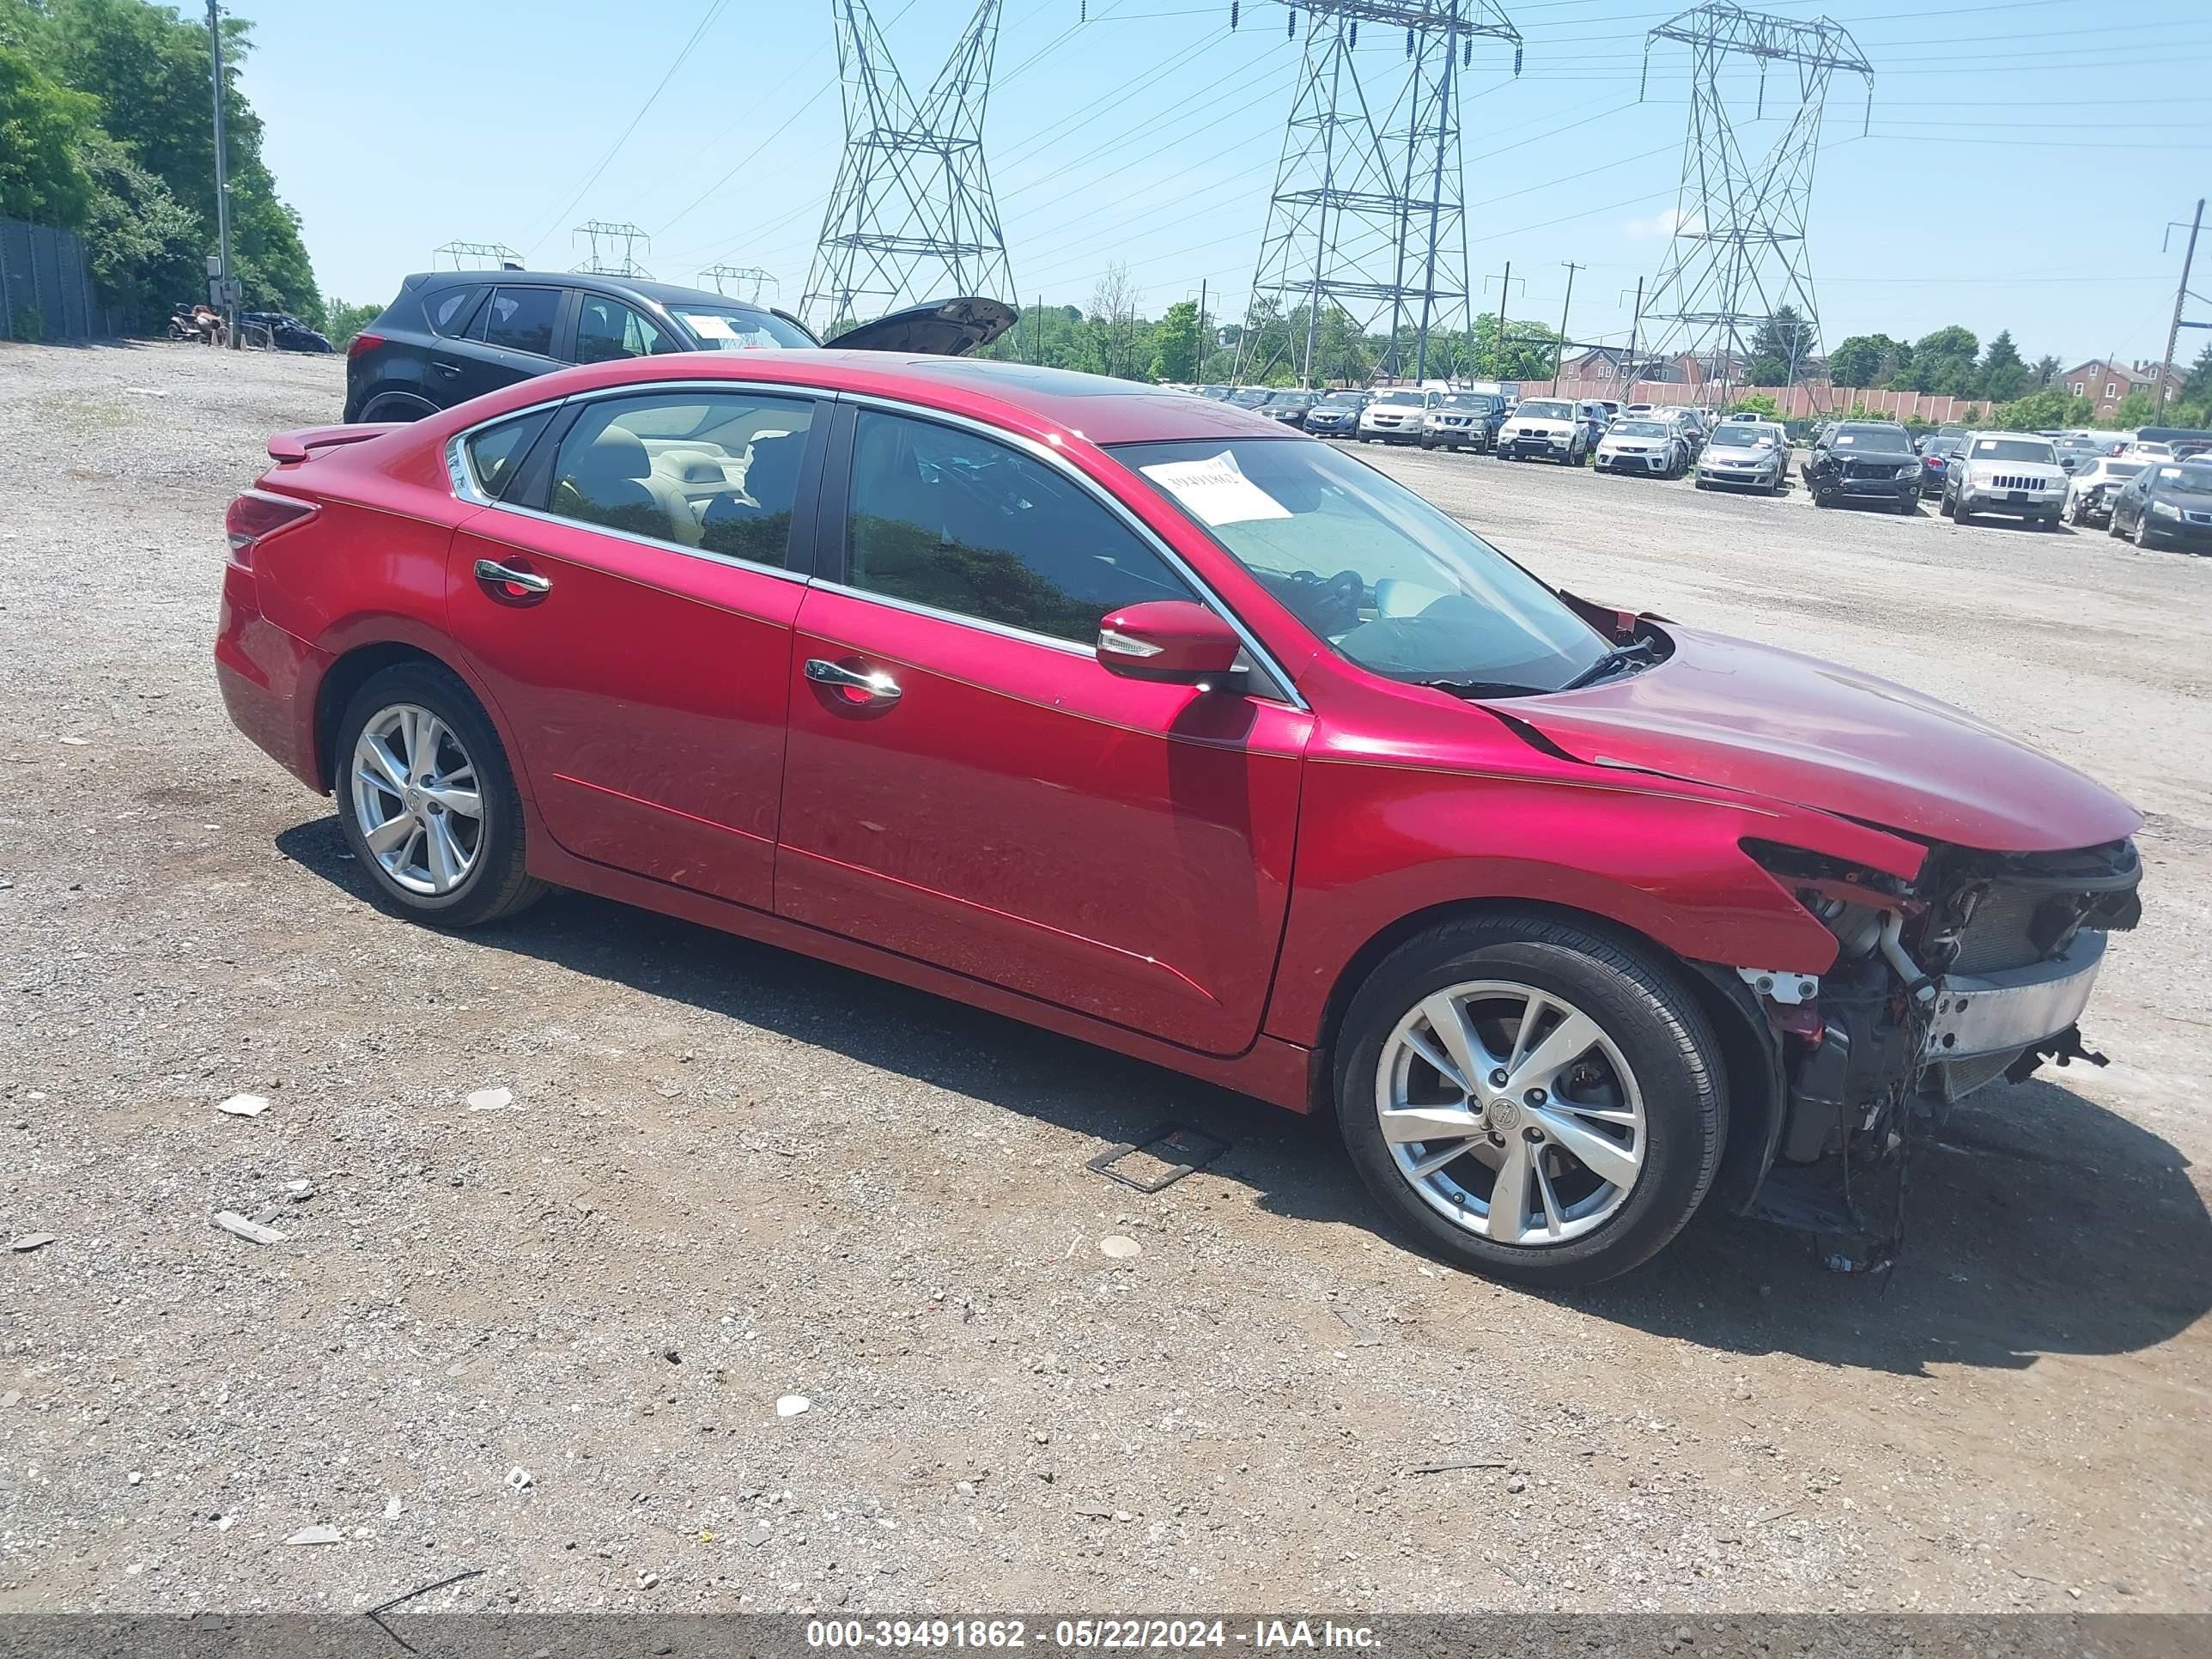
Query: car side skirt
[[1272, 1069]]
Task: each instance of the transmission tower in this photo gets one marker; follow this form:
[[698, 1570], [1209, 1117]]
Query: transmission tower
[[605, 237], [911, 217], [1366, 218], [476, 256], [1738, 255], [751, 275]]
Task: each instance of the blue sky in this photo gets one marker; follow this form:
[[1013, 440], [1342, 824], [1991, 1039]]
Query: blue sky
[[2024, 160]]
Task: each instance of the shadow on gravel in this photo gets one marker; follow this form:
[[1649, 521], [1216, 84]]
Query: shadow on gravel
[[2038, 1222]]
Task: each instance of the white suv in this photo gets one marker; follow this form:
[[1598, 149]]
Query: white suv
[[1551, 427], [2016, 473]]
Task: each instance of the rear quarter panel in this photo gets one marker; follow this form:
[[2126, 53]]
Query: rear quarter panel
[[370, 569]]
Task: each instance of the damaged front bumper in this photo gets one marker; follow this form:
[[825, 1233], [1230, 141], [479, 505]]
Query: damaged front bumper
[[1880, 1046]]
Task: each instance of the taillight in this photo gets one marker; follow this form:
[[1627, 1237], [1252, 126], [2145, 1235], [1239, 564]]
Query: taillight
[[256, 513], [362, 342]]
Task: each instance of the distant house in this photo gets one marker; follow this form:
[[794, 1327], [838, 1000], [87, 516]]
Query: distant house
[[2105, 383], [1598, 363]]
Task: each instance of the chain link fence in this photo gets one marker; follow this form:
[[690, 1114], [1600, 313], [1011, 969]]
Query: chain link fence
[[45, 290]]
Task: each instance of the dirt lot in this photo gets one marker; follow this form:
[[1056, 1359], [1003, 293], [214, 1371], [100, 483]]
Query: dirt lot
[[549, 1342]]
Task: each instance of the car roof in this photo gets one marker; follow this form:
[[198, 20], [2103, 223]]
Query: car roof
[[1048, 403], [664, 294]]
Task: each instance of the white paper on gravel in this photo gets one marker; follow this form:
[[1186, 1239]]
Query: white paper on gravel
[[1216, 490]]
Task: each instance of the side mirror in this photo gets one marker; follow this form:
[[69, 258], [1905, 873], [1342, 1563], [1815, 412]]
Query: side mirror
[[1175, 640]]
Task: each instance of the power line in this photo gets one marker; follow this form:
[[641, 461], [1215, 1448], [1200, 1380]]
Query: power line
[[713, 11]]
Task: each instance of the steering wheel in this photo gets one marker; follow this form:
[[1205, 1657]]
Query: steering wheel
[[1329, 606]]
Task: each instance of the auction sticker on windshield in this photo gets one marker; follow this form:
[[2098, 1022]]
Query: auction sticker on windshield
[[1216, 490]]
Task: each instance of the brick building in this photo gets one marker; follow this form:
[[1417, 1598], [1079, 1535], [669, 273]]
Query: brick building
[[2105, 383]]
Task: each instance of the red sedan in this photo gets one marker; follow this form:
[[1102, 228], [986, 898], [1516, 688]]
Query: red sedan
[[1136, 716]]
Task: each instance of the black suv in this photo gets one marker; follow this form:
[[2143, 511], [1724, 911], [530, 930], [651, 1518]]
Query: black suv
[[454, 335], [1864, 461]]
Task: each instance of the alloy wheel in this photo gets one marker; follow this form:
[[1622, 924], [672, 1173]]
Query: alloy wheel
[[1511, 1112], [415, 799]]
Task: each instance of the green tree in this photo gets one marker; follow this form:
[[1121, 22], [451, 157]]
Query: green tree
[[1866, 360], [147, 69], [2051, 406], [1943, 363], [2196, 384], [142, 245], [42, 124], [1529, 352], [2046, 370], [2004, 376], [1780, 347], [342, 321], [2134, 409], [1760, 405], [1175, 345]]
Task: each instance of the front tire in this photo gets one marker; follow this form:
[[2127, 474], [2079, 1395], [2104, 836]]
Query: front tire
[[426, 800], [1609, 1124]]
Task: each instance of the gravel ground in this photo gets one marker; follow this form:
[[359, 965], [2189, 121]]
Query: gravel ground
[[549, 1341]]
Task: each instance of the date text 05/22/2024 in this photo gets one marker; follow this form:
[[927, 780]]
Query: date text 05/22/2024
[[1264, 1634]]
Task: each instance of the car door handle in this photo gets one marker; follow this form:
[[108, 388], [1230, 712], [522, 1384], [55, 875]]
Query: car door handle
[[872, 686], [500, 575], [449, 370]]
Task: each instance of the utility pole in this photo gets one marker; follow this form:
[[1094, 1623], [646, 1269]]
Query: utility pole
[[2180, 293], [1198, 368], [1635, 322], [222, 179], [1504, 287], [1559, 357]]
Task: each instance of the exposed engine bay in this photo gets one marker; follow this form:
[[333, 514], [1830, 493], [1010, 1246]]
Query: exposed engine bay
[[1976, 970]]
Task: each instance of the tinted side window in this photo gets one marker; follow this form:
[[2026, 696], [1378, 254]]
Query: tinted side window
[[717, 470], [449, 312], [519, 319], [607, 329], [495, 453], [947, 518]]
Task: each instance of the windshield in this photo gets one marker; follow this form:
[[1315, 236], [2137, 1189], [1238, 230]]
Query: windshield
[[2124, 469], [1389, 581], [1292, 400], [2015, 449], [1343, 400], [735, 329], [1637, 429], [1742, 437], [1250, 397], [1858, 436], [1540, 411], [1403, 399], [1467, 400], [2190, 478]]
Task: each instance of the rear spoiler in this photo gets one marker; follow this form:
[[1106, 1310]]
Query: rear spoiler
[[286, 446]]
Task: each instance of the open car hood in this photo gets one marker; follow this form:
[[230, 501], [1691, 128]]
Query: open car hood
[[942, 328], [1793, 728]]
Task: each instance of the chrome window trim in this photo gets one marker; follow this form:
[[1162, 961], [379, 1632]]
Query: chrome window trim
[[914, 608], [1282, 689], [466, 487], [1278, 687], [636, 540]]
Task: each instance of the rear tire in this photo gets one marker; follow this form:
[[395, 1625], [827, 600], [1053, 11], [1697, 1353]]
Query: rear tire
[[387, 813], [1649, 1061]]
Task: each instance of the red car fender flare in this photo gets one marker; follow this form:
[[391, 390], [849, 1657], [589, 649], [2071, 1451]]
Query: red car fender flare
[[378, 632]]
